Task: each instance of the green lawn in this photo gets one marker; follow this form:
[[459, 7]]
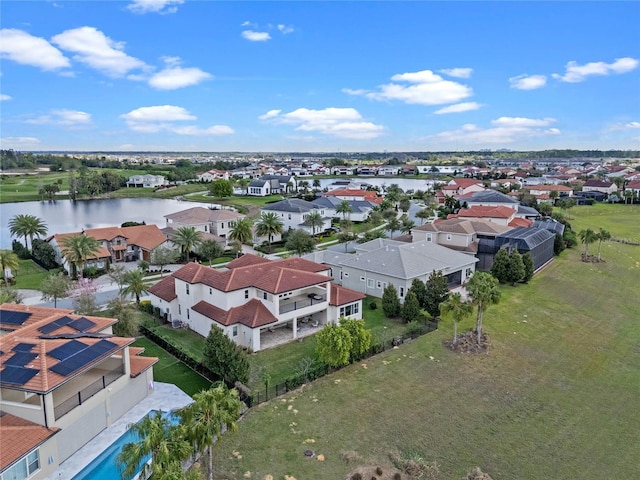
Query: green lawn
[[186, 340], [622, 221], [170, 370], [557, 396], [30, 275], [24, 188]]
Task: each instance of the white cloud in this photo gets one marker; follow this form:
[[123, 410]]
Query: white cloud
[[256, 36], [214, 130], [457, 72], [351, 91], [522, 122], [63, 117], [22, 142], [163, 117], [575, 73], [284, 29], [337, 122], [95, 49], [506, 130], [154, 6], [459, 107], [23, 48], [633, 125], [528, 82], [270, 114], [174, 76], [4, 97], [426, 88]]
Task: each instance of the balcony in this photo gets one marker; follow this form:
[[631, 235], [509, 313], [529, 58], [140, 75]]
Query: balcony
[[301, 301], [89, 390]]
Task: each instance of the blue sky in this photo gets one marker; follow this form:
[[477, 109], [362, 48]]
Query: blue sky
[[186, 75]]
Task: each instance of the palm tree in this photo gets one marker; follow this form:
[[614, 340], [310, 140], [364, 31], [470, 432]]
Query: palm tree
[[313, 220], [188, 239], [165, 443], [344, 207], [587, 236], [77, 249], [8, 261], [484, 291], [458, 309], [269, 225], [407, 224], [602, 235], [423, 214], [134, 284], [393, 226], [214, 411], [27, 226], [241, 231]]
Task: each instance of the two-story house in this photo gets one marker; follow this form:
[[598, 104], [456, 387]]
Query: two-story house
[[603, 186], [271, 185], [360, 209], [213, 175], [293, 212], [146, 181], [64, 378], [215, 224], [254, 297], [118, 244]]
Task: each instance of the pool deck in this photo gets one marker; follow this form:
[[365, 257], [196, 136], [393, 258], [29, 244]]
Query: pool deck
[[165, 397]]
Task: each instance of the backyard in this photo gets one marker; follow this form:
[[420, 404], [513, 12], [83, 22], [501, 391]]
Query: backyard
[[556, 397]]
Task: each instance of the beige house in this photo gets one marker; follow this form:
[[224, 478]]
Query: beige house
[[64, 379], [217, 223]]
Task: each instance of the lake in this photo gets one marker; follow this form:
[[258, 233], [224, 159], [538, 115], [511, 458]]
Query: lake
[[64, 216]]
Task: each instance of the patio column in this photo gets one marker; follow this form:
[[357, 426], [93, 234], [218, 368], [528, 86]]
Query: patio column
[[295, 327]]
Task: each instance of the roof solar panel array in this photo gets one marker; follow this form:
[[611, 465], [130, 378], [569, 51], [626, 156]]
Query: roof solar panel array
[[82, 324], [55, 325], [17, 375], [68, 349], [83, 357], [23, 347], [13, 318], [20, 359]]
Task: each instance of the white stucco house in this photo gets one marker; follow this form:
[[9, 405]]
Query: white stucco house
[[255, 297], [214, 224], [293, 212], [146, 181], [64, 378]]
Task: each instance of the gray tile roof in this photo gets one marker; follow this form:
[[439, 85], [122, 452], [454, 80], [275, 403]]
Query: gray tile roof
[[295, 205], [490, 196], [333, 202], [408, 260]]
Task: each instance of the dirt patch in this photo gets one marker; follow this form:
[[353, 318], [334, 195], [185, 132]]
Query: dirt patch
[[591, 259], [468, 343]]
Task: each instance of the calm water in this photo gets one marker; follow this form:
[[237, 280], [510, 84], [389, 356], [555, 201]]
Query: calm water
[[66, 216]]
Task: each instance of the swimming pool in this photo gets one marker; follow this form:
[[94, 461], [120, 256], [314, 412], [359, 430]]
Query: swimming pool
[[104, 466]]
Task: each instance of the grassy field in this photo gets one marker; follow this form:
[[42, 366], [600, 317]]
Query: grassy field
[[30, 275], [622, 221], [170, 370], [557, 396]]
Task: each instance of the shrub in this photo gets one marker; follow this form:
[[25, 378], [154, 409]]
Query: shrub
[[93, 272], [20, 250], [390, 302], [373, 305]]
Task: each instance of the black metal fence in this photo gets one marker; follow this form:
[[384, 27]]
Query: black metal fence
[[86, 393]]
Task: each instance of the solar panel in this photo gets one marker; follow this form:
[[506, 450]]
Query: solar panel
[[23, 347], [68, 349], [55, 325], [13, 318], [17, 375], [83, 357], [20, 359], [82, 324]]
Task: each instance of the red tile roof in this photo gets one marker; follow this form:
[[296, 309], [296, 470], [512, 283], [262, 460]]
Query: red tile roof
[[19, 437], [342, 296], [247, 259], [482, 211], [520, 222], [368, 195], [139, 364], [466, 182], [253, 314], [268, 276], [164, 289]]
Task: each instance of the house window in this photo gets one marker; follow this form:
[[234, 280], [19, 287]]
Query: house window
[[246, 294], [448, 236], [362, 279], [349, 310], [379, 284], [384, 285], [222, 225], [401, 292], [467, 272], [235, 330], [289, 216], [187, 314], [210, 291], [187, 289], [346, 274], [264, 295], [370, 283], [23, 468], [428, 237], [179, 310]]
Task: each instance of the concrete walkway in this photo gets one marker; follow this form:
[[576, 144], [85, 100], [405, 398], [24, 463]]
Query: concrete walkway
[[165, 397]]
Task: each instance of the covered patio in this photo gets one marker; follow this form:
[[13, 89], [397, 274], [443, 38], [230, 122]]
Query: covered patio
[[281, 333]]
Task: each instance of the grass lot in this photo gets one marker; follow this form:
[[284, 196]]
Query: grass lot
[[30, 275], [557, 396], [170, 370], [622, 221]]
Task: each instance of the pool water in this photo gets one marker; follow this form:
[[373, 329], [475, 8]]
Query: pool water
[[104, 466]]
